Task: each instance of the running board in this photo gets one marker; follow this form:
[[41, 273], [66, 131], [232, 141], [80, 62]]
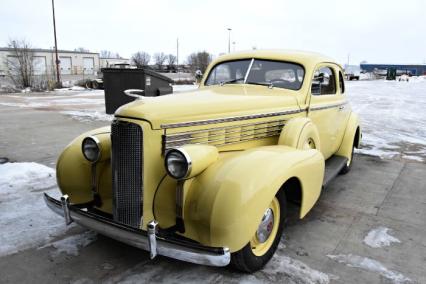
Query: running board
[[333, 166]]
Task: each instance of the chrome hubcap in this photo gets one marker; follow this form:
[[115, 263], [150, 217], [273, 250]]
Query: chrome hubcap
[[266, 226]]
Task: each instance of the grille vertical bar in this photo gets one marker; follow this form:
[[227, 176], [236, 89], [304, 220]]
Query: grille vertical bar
[[127, 177]]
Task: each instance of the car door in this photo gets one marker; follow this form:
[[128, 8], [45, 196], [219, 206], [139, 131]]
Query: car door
[[325, 107]]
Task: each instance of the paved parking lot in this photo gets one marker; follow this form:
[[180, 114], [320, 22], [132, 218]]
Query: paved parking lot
[[379, 200]]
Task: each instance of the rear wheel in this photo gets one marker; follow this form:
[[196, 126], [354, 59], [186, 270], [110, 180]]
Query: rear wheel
[[264, 243], [349, 163], [95, 85]]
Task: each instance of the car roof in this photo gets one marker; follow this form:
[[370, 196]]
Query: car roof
[[302, 57]]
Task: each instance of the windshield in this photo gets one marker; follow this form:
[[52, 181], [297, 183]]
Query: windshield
[[278, 74]]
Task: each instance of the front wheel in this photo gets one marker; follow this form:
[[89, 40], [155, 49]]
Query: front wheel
[[264, 243]]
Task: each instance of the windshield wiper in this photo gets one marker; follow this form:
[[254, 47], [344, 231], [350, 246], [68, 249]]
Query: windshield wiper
[[270, 85], [231, 81]]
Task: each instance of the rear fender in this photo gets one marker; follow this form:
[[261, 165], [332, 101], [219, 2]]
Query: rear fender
[[225, 204], [352, 135]]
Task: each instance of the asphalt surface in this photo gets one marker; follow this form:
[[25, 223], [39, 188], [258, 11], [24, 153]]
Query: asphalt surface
[[376, 193]]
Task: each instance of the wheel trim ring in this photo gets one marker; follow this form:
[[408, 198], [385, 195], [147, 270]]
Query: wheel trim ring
[[260, 248]]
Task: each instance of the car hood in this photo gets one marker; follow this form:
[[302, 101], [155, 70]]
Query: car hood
[[209, 103]]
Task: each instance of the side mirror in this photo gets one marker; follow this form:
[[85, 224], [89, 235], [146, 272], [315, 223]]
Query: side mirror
[[136, 93]]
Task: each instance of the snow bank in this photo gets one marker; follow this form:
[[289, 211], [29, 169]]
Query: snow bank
[[370, 265], [379, 237], [392, 116], [89, 115], [25, 221], [72, 245]]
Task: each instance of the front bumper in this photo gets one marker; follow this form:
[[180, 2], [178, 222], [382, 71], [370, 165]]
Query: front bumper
[[149, 241]]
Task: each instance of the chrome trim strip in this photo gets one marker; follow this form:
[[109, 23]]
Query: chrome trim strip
[[327, 106], [230, 119], [190, 252], [279, 122], [236, 142]]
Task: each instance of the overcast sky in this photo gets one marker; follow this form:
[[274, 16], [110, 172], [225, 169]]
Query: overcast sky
[[376, 31]]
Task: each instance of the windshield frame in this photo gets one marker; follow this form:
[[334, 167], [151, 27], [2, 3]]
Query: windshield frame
[[252, 60]]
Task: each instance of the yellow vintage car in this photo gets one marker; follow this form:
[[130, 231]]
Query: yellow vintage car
[[205, 176]]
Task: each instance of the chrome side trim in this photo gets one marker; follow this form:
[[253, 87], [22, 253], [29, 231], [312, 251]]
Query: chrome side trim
[[314, 108], [231, 119], [173, 248]]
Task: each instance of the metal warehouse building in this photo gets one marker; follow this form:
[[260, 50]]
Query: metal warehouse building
[[416, 70], [74, 64]]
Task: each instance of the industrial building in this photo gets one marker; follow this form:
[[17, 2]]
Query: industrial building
[[74, 65], [410, 69]]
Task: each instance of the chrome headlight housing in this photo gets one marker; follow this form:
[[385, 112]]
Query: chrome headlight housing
[[178, 163], [91, 148]]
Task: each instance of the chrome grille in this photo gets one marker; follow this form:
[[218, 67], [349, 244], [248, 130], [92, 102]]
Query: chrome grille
[[127, 168]]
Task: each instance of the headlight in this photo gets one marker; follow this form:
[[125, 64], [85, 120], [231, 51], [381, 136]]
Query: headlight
[[178, 164], [91, 149]]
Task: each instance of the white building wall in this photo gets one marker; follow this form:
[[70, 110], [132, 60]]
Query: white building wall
[[73, 67]]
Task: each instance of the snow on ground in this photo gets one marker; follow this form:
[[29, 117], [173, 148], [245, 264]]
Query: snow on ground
[[393, 117], [25, 221], [184, 88], [296, 270], [73, 88], [370, 265], [379, 237], [281, 269], [72, 245], [88, 115]]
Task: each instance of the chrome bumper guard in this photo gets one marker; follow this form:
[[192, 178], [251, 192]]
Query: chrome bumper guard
[[148, 241]]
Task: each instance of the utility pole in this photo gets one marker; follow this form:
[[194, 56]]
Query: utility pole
[[177, 57], [348, 59], [58, 80], [229, 40]]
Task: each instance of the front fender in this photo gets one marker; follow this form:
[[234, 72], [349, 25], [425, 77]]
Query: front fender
[[73, 171], [226, 202]]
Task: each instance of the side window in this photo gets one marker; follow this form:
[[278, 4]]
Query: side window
[[324, 82], [341, 83]]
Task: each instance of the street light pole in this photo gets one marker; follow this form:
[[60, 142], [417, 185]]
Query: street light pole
[[58, 81], [229, 40]]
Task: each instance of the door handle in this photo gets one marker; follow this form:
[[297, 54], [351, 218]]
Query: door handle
[[341, 107]]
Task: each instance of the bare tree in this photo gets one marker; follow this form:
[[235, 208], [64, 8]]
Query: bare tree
[[141, 59], [20, 63], [159, 59], [199, 61], [81, 49], [109, 54], [171, 61]]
